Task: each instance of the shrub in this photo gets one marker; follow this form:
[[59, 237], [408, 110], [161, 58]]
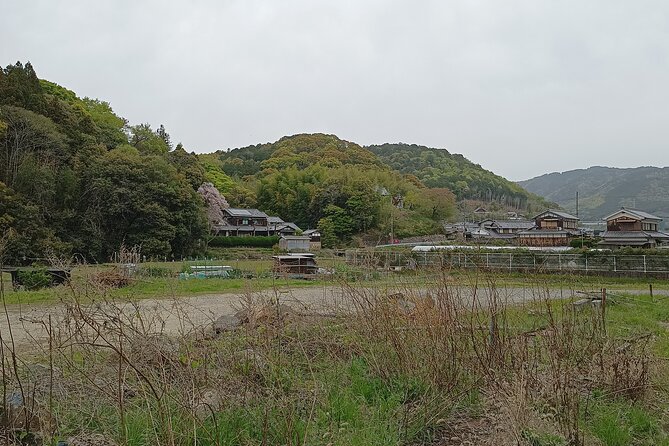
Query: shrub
[[584, 243], [155, 271], [248, 242], [111, 279], [34, 279]]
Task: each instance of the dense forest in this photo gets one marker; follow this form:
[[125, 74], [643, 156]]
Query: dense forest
[[77, 179], [319, 180], [440, 168]]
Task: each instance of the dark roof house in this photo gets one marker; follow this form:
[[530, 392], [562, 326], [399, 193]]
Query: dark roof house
[[551, 228]]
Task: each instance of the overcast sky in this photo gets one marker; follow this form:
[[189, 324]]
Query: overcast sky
[[520, 87]]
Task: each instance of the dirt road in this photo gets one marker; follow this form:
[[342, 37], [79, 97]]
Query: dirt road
[[185, 314]]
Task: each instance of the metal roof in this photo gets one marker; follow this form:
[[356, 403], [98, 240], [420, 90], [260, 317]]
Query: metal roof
[[274, 219], [294, 256]]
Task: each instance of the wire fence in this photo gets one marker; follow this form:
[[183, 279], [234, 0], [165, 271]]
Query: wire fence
[[537, 262]]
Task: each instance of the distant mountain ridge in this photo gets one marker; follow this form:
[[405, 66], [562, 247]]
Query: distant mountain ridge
[[602, 190]]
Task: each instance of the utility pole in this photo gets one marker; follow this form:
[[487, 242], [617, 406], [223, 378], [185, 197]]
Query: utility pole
[[392, 220]]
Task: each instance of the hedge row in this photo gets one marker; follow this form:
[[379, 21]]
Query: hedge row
[[250, 242]]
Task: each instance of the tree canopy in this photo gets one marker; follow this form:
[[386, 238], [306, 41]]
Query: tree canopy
[[76, 179]]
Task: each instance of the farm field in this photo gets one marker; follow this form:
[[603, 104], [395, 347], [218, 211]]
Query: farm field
[[163, 281], [426, 357]]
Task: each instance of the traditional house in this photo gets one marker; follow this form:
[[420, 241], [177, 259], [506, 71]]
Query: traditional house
[[551, 228], [464, 229], [633, 228], [276, 226], [239, 222], [507, 227], [314, 238], [243, 222]]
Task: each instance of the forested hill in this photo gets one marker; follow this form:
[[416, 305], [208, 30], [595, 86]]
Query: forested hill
[[297, 151], [76, 179], [440, 168], [602, 190]]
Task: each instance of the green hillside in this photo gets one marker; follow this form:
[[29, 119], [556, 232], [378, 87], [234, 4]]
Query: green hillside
[[319, 180], [297, 151], [602, 190], [78, 179], [440, 168]]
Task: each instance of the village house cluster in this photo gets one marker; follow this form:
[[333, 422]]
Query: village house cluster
[[553, 228]]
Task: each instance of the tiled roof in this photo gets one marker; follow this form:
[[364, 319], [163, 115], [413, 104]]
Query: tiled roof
[[634, 235], [547, 232], [512, 224], [236, 212], [284, 225], [559, 214], [641, 215]]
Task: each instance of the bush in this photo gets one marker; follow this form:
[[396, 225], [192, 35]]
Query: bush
[[584, 243], [155, 271], [248, 242], [34, 279], [111, 279]]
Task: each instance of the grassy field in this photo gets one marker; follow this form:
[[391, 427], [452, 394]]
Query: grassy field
[[414, 371], [166, 283]]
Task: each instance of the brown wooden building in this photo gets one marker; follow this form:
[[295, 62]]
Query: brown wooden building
[[551, 228], [633, 228]]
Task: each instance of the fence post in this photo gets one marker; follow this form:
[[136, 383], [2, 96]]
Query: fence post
[[510, 260], [644, 264], [586, 263], [560, 261], [604, 309], [615, 265], [465, 254], [487, 260]]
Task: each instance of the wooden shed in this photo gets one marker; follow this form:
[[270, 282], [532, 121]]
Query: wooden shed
[[300, 265]]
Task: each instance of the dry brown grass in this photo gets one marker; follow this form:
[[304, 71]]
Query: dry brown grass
[[533, 365]]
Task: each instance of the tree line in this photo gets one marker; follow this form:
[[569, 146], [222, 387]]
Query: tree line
[[77, 179]]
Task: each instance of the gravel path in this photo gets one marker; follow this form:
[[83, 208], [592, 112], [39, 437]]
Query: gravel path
[[185, 314]]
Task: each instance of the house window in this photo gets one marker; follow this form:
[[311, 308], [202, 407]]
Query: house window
[[245, 221]]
